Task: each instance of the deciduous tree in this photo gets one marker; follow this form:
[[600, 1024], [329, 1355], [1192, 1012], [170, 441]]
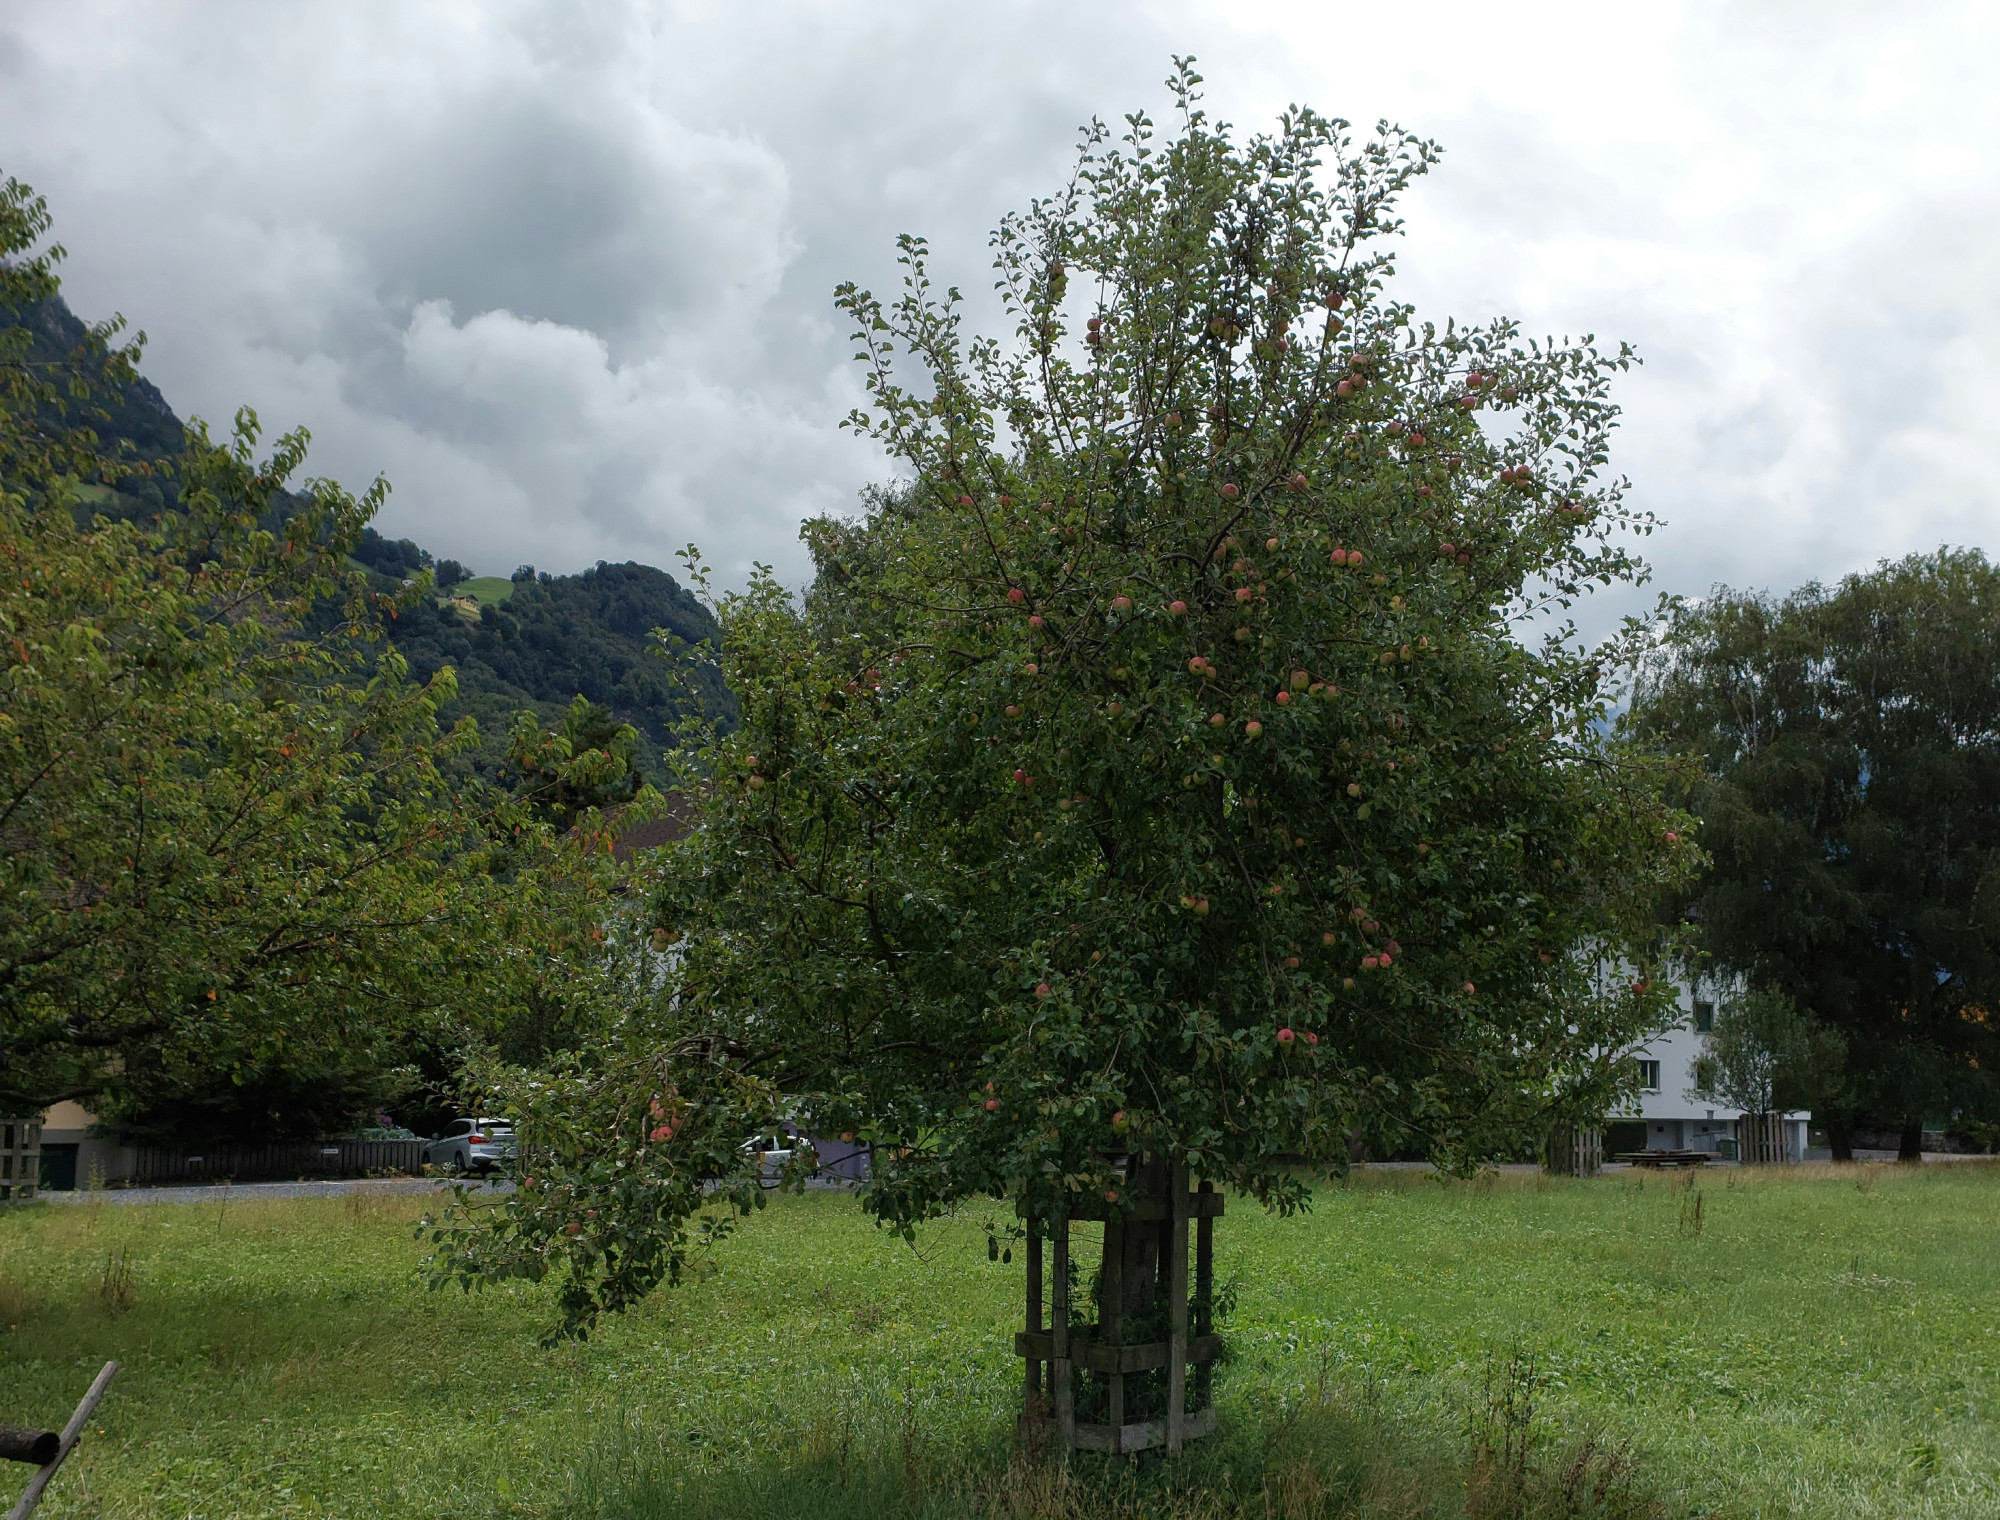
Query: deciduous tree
[[1168, 764], [1850, 739], [228, 844]]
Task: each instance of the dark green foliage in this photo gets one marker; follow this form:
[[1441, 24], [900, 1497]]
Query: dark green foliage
[[558, 638], [545, 769], [1851, 739], [1157, 774], [399, 559], [265, 1097], [76, 410], [1766, 1055], [243, 874]]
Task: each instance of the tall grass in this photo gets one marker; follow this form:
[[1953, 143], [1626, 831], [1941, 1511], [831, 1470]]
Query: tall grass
[[1823, 1346], [1328, 1454]]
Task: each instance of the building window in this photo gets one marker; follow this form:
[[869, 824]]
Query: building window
[[1649, 1076], [1704, 1018]]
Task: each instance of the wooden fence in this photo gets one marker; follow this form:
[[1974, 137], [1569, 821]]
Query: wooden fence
[[20, 1158], [1573, 1150], [1761, 1140], [297, 1158]]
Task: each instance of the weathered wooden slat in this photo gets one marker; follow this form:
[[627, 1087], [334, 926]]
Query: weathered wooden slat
[[1142, 1435], [1059, 1346], [1200, 1206], [1177, 1307], [1143, 1357], [1204, 1297], [1111, 1319], [1034, 1373]]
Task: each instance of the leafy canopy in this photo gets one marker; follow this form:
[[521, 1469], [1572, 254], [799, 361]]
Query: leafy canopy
[[1765, 1056], [1849, 738], [234, 847], [1161, 766]]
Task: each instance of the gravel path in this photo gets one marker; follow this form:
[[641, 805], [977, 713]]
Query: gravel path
[[222, 1192]]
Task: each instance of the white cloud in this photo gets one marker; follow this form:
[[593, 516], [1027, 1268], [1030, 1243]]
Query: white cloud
[[563, 272]]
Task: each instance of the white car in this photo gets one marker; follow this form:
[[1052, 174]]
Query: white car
[[772, 1152], [471, 1145]]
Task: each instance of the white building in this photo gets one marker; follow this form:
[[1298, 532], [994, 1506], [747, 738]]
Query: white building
[[1675, 1116]]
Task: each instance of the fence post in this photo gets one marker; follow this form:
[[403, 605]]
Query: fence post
[[1059, 1332], [1570, 1150], [1177, 1311], [20, 1159]]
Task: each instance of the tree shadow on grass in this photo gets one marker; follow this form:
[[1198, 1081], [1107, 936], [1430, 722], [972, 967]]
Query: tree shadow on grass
[[1323, 1457]]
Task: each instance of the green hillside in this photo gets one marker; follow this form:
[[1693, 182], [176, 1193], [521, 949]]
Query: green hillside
[[538, 641], [529, 641], [487, 590]]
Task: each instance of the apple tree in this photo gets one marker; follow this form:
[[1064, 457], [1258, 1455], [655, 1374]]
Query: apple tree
[[1184, 762]]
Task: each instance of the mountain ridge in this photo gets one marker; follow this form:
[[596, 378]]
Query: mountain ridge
[[550, 639]]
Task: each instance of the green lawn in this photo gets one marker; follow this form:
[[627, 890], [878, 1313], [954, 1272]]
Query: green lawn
[[1826, 1346]]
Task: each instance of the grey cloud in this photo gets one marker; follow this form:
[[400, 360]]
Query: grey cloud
[[563, 272]]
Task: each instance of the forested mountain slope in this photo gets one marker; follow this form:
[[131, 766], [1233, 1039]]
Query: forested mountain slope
[[534, 641]]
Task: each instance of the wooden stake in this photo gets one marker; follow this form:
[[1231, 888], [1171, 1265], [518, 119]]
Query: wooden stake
[[72, 1433], [1204, 1296], [1059, 1335], [1177, 1288], [1111, 1319], [1034, 1375]]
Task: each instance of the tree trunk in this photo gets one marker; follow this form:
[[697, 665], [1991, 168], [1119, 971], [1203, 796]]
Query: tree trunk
[[1913, 1141], [1140, 1268], [1839, 1137]]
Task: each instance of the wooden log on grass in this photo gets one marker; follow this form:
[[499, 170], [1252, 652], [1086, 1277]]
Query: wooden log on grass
[[19, 1444]]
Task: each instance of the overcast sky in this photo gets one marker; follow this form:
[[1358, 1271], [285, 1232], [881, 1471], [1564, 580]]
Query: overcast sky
[[562, 271]]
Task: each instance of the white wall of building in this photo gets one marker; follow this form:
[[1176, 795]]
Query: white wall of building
[[1676, 1117]]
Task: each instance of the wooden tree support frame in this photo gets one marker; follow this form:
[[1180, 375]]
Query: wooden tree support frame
[[20, 1159], [1052, 1352], [1762, 1140], [1573, 1150]]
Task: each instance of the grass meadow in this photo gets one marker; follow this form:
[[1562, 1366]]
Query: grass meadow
[[1820, 1344]]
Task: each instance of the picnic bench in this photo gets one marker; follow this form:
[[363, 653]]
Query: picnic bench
[[1666, 1158]]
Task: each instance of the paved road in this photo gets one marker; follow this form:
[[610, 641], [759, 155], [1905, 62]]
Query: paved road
[[222, 1192]]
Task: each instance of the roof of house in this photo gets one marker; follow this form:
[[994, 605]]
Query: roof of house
[[677, 822]]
